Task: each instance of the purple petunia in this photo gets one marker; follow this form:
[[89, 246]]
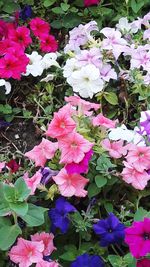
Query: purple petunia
[[59, 215], [26, 12], [110, 230], [47, 175], [86, 260]]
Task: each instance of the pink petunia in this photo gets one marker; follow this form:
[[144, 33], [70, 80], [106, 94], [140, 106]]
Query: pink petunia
[[70, 184], [47, 241], [47, 264], [73, 148], [132, 176], [115, 149], [33, 182], [137, 237], [40, 153], [61, 124], [139, 157], [21, 35], [25, 253], [39, 27], [100, 120], [48, 43], [2, 165], [84, 107]]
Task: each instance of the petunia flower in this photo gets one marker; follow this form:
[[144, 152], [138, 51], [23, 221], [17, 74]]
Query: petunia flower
[[47, 241], [91, 2], [86, 260], [32, 182], [137, 237], [21, 35], [59, 215], [47, 174], [2, 165], [7, 86], [39, 27], [143, 263], [25, 12], [70, 184], [3, 30], [62, 124], [47, 264], [40, 153], [48, 43], [110, 230], [13, 165], [115, 149], [25, 253], [101, 120], [73, 148], [131, 176]]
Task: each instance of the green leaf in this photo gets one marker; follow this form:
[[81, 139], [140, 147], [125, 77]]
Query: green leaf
[[21, 208], [111, 98], [48, 3], [4, 221], [64, 6], [4, 205], [115, 260], [140, 214], [56, 24], [5, 109], [22, 190], [71, 20], [9, 193], [57, 10], [34, 216], [70, 255], [100, 181], [93, 190], [8, 235], [137, 5], [108, 206]]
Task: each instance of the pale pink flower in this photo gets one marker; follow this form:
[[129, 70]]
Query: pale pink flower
[[140, 57], [47, 264], [2, 165], [33, 182], [115, 149], [108, 73], [47, 241], [100, 120], [146, 34], [139, 157], [84, 107], [25, 253], [73, 148], [70, 184], [132, 176], [114, 41], [62, 123], [40, 153]]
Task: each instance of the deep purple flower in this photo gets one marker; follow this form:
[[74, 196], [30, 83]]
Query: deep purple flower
[[81, 167], [25, 13], [47, 175], [110, 230], [86, 260], [59, 215], [4, 124], [146, 123]]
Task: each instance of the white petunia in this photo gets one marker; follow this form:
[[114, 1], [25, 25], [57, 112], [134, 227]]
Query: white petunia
[[125, 26], [49, 60], [86, 81], [34, 67], [71, 66], [7, 86]]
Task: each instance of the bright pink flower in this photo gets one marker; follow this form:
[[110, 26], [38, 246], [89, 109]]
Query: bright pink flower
[[47, 241], [6, 45], [138, 238], [26, 252], [115, 149], [40, 153], [3, 29], [132, 176], [83, 105], [100, 120], [82, 166], [73, 148], [70, 184], [143, 263], [47, 264], [13, 165], [48, 43], [21, 35], [39, 27], [139, 157], [91, 2], [2, 165], [61, 124], [33, 182]]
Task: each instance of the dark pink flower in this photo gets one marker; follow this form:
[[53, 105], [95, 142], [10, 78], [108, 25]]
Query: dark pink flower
[[91, 2], [48, 43], [143, 263], [81, 167], [13, 165], [3, 30], [137, 237], [39, 27], [21, 35]]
